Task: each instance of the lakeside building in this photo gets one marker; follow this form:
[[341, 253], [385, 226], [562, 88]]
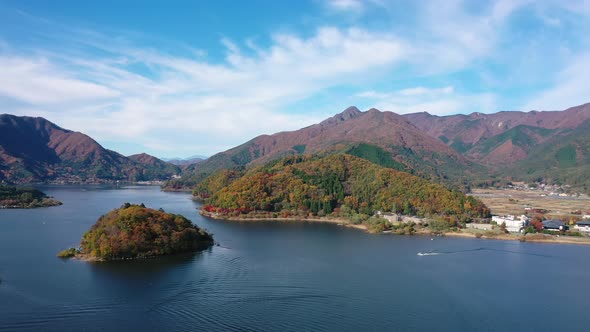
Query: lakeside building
[[583, 226], [554, 225], [513, 224]]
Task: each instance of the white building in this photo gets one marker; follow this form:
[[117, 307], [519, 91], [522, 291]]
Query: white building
[[583, 226], [513, 224]]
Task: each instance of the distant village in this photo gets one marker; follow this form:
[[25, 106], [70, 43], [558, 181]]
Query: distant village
[[545, 189]]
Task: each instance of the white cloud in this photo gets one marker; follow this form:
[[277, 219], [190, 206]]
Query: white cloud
[[345, 5], [438, 101], [452, 37], [38, 82], [426, 91], [569, 89]]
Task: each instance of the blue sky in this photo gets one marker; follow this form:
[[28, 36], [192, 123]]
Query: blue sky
[[178, 78]]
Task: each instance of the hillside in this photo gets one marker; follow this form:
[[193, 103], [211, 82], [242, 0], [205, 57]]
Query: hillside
[[551, 146], [388, 138], [337, 185], [35, 150], [153, 168]]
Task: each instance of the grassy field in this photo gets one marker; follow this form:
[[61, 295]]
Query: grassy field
[[514, 202]]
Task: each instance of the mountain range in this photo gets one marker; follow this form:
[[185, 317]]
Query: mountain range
[[456, 150], [32, 149]]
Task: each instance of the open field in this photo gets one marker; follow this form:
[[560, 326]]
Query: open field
[[509, 201]]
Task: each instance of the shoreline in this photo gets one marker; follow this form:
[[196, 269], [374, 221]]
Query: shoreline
[[339, 222], [535, 238]]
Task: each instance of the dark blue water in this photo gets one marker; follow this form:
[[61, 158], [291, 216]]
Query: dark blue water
[[280, 277]]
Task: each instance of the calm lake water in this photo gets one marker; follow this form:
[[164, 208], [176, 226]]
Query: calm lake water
[[280, 276]]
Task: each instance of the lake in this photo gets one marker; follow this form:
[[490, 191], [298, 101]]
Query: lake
[[280, 276]]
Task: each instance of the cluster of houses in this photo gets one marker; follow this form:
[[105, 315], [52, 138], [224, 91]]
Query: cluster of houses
[[516, 224], [545, 189]]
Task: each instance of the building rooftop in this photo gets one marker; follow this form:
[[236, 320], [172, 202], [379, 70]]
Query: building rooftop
[[553, 224]]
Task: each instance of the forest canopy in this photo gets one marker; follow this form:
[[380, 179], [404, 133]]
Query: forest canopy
[[134, 231], [329, 185], [13, 197]]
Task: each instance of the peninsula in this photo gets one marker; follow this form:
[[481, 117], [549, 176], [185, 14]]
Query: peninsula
[[24, 198]]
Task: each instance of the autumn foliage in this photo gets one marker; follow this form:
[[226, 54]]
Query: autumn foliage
[[134, 231], [326, 185]]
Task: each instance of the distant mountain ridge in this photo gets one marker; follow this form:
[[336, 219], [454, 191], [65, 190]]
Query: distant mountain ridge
[[185, 161], [33, 149], [550, 145], [471, 134]]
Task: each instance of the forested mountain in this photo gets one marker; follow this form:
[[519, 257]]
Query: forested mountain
[[383, 137], [336, 184], [34, 149], [154, 168]]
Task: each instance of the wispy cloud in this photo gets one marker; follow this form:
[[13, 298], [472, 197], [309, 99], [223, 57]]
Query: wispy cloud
[[345, 5], [569, 89], [439, 101], [39, 82]]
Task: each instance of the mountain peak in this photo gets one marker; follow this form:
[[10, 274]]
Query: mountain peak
[[349, 113]]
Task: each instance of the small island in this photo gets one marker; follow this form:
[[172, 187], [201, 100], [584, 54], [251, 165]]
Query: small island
[[24, 198], [135, 232]]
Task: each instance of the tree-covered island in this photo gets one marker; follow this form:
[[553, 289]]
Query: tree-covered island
[[134, 231], [24, 198]]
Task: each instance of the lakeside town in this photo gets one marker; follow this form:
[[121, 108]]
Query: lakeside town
[[520, 211]]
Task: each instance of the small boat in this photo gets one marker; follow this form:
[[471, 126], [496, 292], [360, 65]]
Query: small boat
[[427, 253]]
